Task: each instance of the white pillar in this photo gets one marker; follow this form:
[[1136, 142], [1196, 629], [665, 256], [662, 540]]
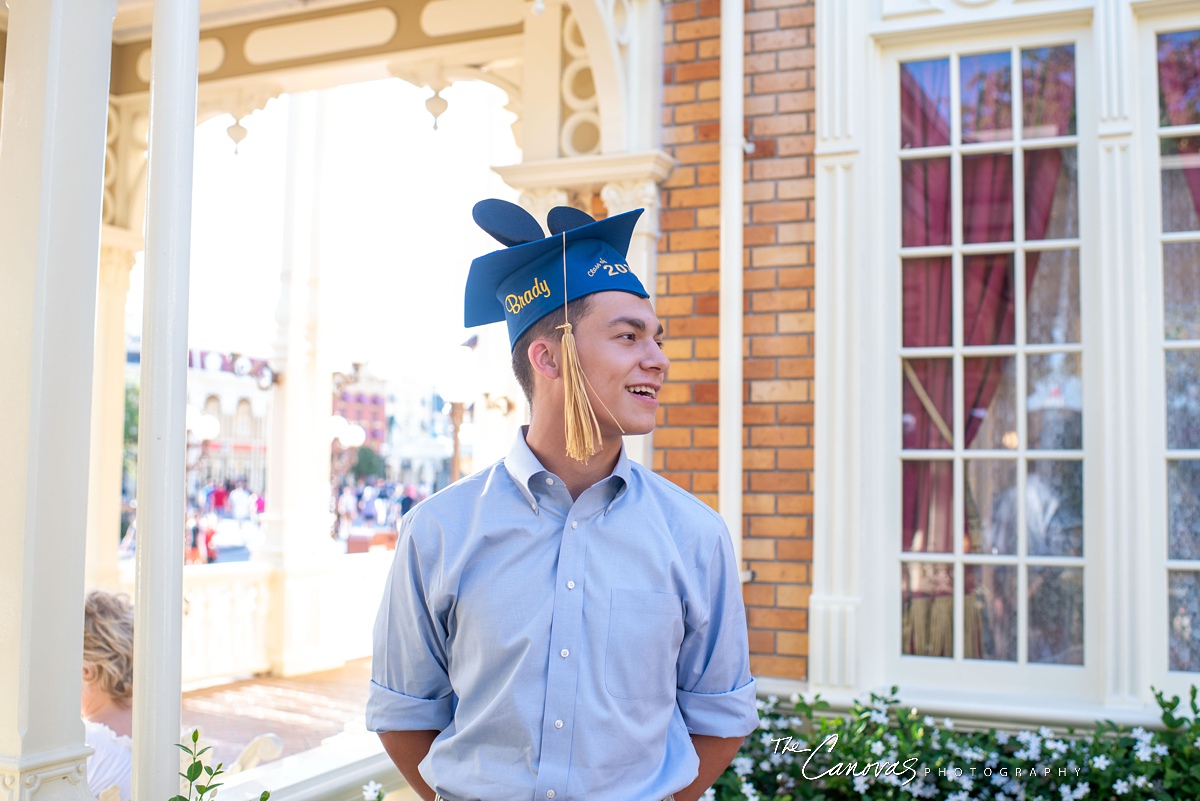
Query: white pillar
[[161, 435], [106, 453], [302, 625], [51, 167], [620, 197]]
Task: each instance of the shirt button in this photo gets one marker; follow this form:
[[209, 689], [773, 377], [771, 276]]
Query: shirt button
[[550, 481], [570, 585], [549, 794], [558, 724], [574, 524], [564, 653]]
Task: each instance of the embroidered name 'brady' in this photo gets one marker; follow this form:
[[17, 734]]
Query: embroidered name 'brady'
[[613, 269], [514, 303]]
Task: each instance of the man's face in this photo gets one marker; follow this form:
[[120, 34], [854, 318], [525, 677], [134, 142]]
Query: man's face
[[620, 349]]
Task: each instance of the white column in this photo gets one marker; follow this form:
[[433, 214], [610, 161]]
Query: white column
[[541, 105], [620, 197], [846, 646], [730, 384], [302, 623], [106, 453], [161, 435], [51, 168]]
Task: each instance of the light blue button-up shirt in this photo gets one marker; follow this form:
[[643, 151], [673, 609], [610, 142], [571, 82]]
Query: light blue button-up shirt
[[564, 649]]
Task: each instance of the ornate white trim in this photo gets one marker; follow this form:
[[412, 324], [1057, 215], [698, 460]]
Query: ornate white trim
[[592, 171], [22, 779]]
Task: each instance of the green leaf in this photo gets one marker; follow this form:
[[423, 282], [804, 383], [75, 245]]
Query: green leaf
[[208, 770], [177, 798], [265, 795], [202, 750], [195, 735], [193, 771], [201, 789]]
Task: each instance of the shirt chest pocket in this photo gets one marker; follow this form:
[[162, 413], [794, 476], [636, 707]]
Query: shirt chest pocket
[[645, 630]]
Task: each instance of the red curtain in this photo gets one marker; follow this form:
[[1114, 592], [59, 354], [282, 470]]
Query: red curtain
[[1179, 95]]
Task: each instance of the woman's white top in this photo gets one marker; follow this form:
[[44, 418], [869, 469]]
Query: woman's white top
[[112, 762]]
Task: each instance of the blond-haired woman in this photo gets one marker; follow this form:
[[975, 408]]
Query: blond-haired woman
[[107, 704]]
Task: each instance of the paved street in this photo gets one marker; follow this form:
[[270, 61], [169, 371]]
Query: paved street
[[303, 710]]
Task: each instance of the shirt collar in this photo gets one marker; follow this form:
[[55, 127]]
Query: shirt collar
[[523, 465]]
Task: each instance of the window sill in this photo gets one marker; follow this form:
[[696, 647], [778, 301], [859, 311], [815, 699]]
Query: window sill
[[984, 710]]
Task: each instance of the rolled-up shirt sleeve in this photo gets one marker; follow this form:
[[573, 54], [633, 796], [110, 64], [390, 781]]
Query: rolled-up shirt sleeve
[[410, 688], [715, 691]]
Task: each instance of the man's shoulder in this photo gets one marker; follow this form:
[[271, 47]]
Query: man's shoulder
[[452, 502], [677, 500]]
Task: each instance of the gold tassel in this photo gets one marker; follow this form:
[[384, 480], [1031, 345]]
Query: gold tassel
[[582, 427]]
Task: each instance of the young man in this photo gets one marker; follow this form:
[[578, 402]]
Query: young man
[[564, 624]]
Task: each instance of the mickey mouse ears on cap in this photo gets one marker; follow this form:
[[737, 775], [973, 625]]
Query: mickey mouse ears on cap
[[525, 281]]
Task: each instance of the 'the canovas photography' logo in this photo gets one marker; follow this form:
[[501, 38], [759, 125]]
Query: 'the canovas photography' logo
[[905, 770]]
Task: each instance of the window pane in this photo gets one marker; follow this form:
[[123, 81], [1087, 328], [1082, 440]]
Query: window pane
[[1183, 598], [1051, 194], [990, 612], [987, 189], [989, 303], [991, 506], [928, 507], [926, 198], [1179, 78], [928, 303], [1054, 507], [990, 402], [1052, 304], [927, 609], [1183, 398], [1181, 290], [1183, 509], [1055, 402], [928, 416], [1180, 165], [986, 83], [1048, 91], [1056, 615], [925, 103]]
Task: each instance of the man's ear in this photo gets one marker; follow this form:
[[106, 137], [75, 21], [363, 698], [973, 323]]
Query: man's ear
[[543, 355]]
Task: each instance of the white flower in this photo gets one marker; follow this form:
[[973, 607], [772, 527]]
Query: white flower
[[1120, 787], [961, 795], [743, 766], [1161, 750], [879, 717], [709, 795], [893, 740], [877, 748], [1056, 746], [1143, 753], [371, 790], [861, 785], [927, 720], [1045, 732], [1003, 737], [948, 723], [1141, 735], [1197, 743], [1140, 781], [1101, 762], [749, 791]]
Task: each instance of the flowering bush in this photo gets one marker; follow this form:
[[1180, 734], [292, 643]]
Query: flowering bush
[[882, 750]]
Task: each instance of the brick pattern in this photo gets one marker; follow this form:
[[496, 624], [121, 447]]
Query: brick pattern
[[779, 320]]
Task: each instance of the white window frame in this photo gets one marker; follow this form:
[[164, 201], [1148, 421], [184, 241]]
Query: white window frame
[[1155, 455], [957, 672], [857, 474]]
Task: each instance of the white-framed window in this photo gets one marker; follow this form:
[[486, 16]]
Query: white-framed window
[[991, 569], [1170, 110]]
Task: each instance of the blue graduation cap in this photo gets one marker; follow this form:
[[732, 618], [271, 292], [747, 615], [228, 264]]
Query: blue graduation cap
[[524, 282]]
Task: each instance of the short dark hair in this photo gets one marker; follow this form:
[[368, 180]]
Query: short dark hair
[[543, 329]]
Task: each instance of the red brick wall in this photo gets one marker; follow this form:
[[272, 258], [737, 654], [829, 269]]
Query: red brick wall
[[778, 322]]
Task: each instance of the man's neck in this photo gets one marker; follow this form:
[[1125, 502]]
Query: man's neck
[[549, 445]]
